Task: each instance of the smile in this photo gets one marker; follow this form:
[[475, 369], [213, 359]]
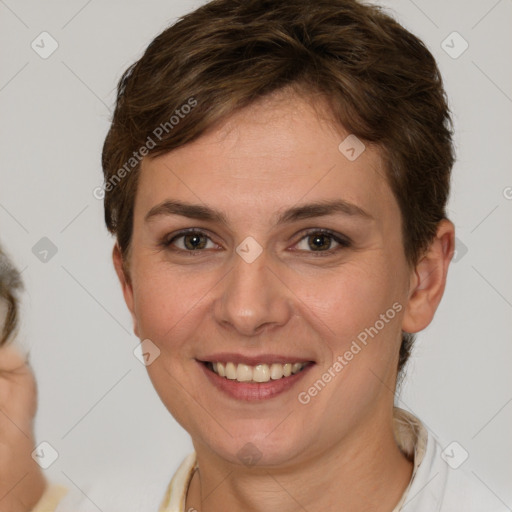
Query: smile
[[256, 382], [259, 373]]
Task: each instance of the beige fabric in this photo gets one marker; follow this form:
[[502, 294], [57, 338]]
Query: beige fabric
[[410, 435], [50, 499], [176, 495]]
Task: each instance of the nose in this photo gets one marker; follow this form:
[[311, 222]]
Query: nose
[[252, 299]]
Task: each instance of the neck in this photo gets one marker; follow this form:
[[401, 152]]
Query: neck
[[367, 471]]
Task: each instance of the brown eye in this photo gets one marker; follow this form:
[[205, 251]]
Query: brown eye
[[191, 241], [321, 242], [194, 241]]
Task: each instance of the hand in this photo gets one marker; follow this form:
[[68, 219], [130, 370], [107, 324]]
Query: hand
[[21, 480]]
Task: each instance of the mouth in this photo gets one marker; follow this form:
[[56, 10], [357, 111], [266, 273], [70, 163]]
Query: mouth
[[259, 373], [258, 381]]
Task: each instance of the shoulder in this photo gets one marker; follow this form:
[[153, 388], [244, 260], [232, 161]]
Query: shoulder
[[128, 488], [442, 483]]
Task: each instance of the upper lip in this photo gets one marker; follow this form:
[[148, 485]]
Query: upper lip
[[232, 357]]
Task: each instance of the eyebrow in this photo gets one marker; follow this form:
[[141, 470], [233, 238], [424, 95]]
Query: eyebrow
[[300, 212]]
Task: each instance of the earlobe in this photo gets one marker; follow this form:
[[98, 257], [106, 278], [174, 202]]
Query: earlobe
[[126, 284], [428, 280]]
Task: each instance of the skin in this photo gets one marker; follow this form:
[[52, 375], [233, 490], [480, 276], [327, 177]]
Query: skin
[[21, 480], [338, 451]]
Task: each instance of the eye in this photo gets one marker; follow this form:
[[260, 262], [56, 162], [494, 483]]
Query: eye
[[322, 241], [191, 240]]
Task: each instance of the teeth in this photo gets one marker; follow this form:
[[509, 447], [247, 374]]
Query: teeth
[[259, 373], [276, 371], [243, 373], [230, 371], [296, 367]]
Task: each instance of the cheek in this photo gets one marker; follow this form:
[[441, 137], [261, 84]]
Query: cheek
[[171, 311], [358, 308], [348, 300], [347, 307], [169, 305]]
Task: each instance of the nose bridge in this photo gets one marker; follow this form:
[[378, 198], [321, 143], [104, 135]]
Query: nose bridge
[[252, 297]]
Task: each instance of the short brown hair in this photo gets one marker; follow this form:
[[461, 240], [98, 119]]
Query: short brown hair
[[380, 81]]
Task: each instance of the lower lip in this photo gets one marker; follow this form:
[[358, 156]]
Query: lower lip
[[253, 391]]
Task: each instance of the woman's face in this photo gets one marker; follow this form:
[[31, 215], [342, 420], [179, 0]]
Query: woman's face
[[293, 254]]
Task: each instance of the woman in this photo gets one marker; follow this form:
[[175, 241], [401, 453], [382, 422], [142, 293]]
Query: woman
[[276, 177]]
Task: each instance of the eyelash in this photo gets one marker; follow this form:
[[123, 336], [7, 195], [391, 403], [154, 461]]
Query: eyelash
[[343, 242]]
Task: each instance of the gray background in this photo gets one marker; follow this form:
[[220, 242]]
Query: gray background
[[97, 407]]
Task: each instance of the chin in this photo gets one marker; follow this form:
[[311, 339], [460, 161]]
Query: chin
[[255, 446]]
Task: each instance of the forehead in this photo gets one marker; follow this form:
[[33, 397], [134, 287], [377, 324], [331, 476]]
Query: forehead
[[279, 151]]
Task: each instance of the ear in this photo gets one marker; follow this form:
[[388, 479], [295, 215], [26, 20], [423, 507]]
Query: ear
[[126, 284], [428, 279]]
